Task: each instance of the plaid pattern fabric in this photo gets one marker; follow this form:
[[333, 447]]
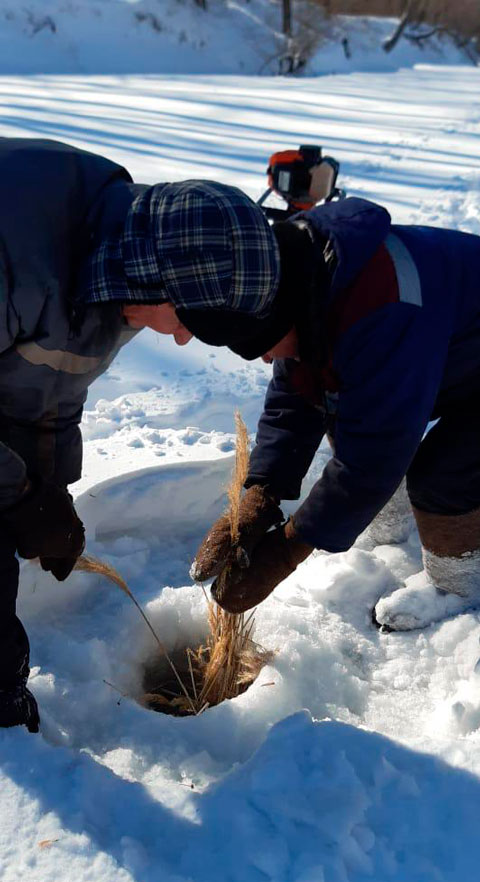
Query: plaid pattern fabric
[[196, 244]]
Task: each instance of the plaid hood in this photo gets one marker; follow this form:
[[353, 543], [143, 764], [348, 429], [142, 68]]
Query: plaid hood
[[195, 244]]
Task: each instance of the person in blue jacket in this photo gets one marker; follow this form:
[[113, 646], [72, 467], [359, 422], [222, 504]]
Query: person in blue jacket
[[374, 332]]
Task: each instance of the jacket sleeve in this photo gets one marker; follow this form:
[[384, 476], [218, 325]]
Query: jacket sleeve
[[289, 433], [13, 472], [390, 366], [68, 450], [13, 475]]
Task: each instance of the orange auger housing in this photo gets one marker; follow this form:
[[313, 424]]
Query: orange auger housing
[[289, 174], [302, 178]]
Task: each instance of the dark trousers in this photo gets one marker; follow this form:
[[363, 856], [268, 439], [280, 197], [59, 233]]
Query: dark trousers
[[444, 477], [14, 647]]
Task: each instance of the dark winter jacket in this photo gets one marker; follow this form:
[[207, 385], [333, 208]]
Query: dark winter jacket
[[56, 204], [402, 328]]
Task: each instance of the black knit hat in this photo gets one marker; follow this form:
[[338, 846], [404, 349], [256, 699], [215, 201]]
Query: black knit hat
[[245, 334]]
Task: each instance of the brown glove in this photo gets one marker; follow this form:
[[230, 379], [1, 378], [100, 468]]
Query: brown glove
[[258, 512], [44, 524], [60, 567], [276, 556]]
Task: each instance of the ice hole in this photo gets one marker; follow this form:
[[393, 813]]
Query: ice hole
[[196, 676]]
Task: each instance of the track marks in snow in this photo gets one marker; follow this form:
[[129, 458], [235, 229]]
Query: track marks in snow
[[400, 137]]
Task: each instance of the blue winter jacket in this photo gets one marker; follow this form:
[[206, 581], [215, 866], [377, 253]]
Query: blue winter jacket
[[403, 334]]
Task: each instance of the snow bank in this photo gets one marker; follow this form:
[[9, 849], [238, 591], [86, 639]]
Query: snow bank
[[318, 802], [177, 36], [119, 36]]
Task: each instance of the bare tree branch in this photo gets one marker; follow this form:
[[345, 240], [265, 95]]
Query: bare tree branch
[[390, 43]]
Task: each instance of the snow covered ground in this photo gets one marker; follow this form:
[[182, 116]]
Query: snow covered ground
[[355, 755]]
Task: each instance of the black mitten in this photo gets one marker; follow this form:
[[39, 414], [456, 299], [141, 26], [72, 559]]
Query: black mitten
[[18, 708], [45, 524]]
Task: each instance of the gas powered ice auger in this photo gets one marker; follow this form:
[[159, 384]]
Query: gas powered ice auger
[[302, 178]]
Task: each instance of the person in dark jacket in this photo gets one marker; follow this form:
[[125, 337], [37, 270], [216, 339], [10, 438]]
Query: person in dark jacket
[[376, 335], [86, 258]]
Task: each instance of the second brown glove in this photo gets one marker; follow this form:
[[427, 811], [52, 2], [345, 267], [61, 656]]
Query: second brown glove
[[258, 512], [276, 556]]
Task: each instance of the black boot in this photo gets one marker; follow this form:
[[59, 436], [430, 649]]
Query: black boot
[[17, 704], [18, 707]]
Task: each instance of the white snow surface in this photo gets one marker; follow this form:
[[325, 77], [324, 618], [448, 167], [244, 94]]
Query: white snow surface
[[356, 754]]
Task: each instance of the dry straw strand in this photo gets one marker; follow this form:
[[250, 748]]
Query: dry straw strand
[[88, 564], [239, 476]]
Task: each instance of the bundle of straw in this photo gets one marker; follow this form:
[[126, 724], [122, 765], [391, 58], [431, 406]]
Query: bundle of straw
[[230, 659]]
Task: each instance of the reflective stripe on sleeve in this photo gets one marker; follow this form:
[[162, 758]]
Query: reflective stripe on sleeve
[[58, 360], [409, 285]]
